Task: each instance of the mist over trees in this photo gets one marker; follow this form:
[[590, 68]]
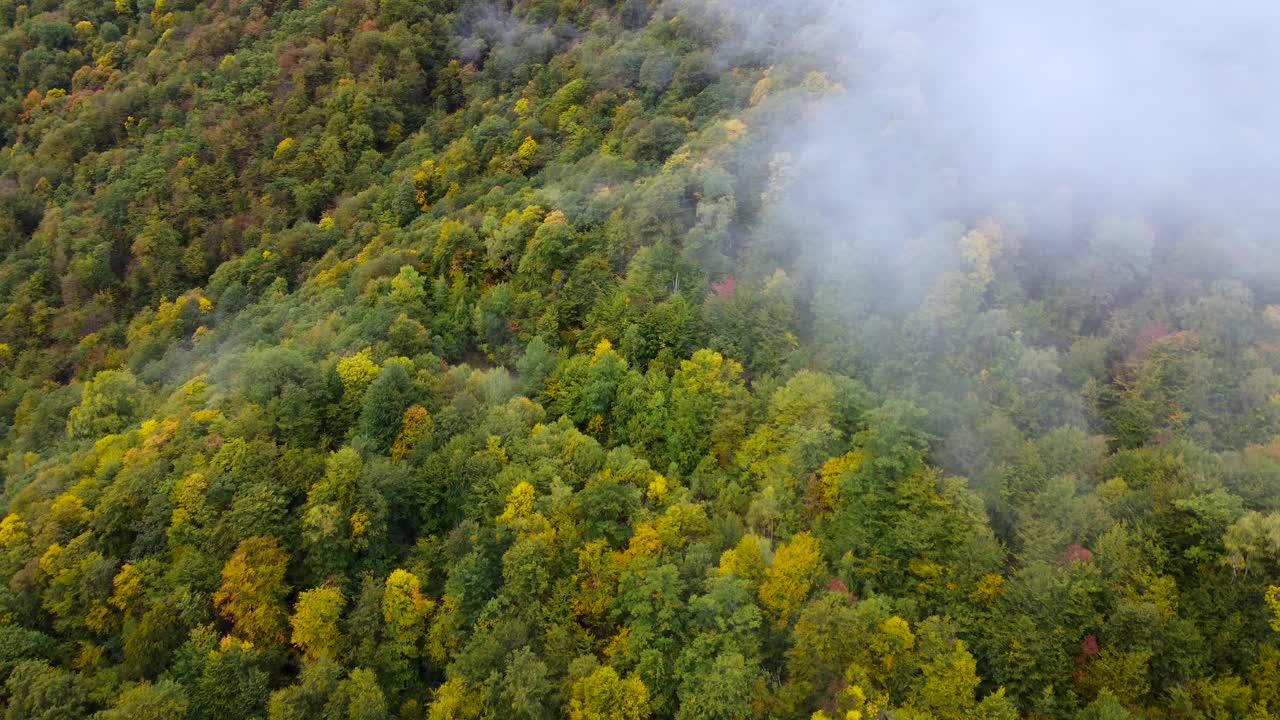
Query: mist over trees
[[638, 359]]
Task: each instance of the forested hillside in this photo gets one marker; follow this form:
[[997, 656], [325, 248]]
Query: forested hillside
[[462, 359]]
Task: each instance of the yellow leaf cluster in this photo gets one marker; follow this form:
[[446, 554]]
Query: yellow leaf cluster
[[788, 580], [829, 475], [357, 371], [416, 424], [604, 695], [657, 490], [746, 559], [126, 587], [519, 503], [989, 589], [282, 147]]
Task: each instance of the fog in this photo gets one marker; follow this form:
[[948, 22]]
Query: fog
[[941, 174], [951, 111]]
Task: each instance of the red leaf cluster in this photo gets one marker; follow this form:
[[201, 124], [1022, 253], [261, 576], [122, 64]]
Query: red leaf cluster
[[1088, 649], [1075, 552], [835, 585], [1147, 337], [725, 287]]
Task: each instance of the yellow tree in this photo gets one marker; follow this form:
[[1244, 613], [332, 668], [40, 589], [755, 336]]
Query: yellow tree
[[252, 592], [746, 559], [126, 588], [788, 580], [315, 621], [416, 425], [356, 373], [597, 581], [404, 610], [453, 701], [603, 695]]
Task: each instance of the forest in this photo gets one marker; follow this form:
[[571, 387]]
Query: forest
[[613, 359]]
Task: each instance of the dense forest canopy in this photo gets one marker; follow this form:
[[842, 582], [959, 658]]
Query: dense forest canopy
[[462, 359]]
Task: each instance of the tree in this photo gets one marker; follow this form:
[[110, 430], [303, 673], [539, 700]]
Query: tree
[[727, 692], [232, 682], [385, 402], [37, 691], [787, 581], [753, 322], [586, 386], [535, 365], [603, 695], [357, 697], [800, 433], [405, 611], [527, 687], [950, 672], [830, 634], [162, 701], [306, 699], [453, 701], [699, 390], [551, 249], [315, 621], [408, 288], [157, 252], [110, 403], [327, 515], [1252, 542], [253, 590], [19, 644], [746, 559]]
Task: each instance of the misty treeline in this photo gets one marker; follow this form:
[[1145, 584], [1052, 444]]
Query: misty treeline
[[623, 359]]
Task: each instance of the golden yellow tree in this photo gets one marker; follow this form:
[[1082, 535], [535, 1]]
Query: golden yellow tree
[[603, 695], [315, 621], [788, 580], [252, 592]]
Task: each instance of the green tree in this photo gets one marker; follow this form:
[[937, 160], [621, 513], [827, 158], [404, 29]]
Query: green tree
[[358, 697], [110, 403], [700, 389], [36, 690], [528, 690], [308, 697], [727, 692], [164, 700], [328, 512], [384, 404]]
